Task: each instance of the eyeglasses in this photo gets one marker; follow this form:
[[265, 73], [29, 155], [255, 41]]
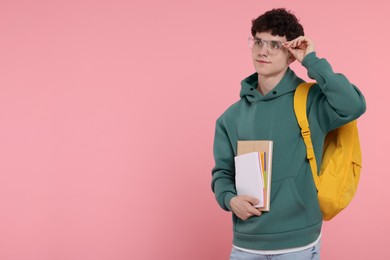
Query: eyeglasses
[[272, 46]]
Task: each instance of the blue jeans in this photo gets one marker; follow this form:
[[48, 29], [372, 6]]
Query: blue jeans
[[312, 253]]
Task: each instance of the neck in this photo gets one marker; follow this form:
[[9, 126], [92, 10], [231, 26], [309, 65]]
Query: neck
[[267, 83]]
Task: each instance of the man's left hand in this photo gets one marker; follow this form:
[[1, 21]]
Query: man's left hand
[[300, 47]]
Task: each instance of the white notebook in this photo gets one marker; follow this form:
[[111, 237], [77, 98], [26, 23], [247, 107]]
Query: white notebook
[[249, 176]]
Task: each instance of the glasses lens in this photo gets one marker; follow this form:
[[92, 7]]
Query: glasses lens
[[251, 42], [273, 45]]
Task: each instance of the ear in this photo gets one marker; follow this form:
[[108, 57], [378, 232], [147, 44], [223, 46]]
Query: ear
[[290, 58]]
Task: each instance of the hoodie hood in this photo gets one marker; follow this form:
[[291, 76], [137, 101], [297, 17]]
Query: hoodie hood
[[288, 84]]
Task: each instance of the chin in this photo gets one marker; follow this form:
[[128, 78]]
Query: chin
[[261, 71]]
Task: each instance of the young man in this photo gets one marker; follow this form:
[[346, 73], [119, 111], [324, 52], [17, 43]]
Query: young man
[[292, 228]]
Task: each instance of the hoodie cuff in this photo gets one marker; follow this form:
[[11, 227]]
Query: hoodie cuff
[[228, 197], [309, 59]]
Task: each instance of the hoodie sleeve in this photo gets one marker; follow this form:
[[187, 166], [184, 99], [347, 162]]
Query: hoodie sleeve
[[341, 102], [223, 175]]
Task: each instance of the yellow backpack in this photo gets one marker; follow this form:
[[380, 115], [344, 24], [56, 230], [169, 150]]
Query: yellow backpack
[[341, 161]]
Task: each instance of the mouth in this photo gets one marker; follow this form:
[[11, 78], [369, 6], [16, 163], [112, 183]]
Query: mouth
[[263, 61]]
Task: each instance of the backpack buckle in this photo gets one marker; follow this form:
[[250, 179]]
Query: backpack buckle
[[307, 140], [305, 132]]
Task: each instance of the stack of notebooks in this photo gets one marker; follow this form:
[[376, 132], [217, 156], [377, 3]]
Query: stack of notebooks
[[253, 165]]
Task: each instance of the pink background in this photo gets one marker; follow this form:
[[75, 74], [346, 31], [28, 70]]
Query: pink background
[[107, 115]]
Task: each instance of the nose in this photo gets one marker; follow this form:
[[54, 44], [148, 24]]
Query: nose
[[263, 50]]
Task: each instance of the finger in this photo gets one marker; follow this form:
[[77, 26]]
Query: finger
[[252, 211], [256, 212], [247, 211], [292, 51], [292, 44], [301, 46], [287, 44], [299, 42], [251, 200]]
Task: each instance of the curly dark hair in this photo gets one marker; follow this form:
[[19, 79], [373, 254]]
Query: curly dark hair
[[278, 22]]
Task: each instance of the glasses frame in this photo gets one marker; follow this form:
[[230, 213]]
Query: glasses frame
[[266, 43]]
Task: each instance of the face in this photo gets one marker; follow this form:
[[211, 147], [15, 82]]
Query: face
[[269, 57]]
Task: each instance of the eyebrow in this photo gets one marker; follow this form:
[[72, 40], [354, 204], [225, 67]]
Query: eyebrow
[[256, 38]]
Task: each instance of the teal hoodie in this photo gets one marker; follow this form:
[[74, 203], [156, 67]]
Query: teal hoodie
[[294, 218]]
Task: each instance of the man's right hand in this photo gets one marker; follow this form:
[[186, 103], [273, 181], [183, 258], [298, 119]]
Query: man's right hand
[[243, 206]]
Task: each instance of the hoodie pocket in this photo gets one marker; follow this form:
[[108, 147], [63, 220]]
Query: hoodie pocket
[[287, 212], [288, 192]]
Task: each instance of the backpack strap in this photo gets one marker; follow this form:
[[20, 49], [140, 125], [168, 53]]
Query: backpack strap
[[300, 100]]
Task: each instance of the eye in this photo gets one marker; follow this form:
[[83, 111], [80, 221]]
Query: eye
[[275, 45], [259, 42]]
